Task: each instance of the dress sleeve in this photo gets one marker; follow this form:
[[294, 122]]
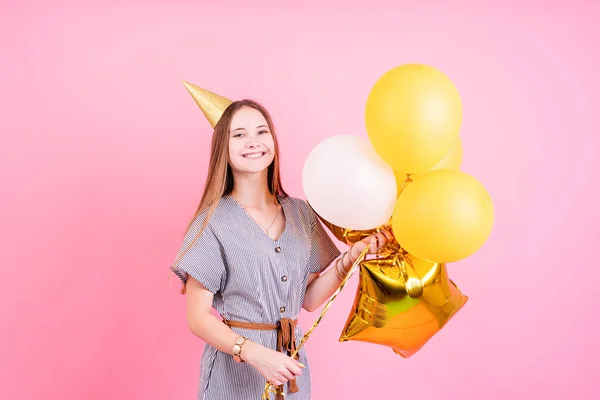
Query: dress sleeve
[[322, 248], [204, 260]]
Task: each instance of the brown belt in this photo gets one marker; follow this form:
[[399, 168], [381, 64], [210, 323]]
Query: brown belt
[[286, 339]]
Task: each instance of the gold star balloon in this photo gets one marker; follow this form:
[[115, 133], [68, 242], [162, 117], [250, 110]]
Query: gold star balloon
[[211, 104], [401, 301]]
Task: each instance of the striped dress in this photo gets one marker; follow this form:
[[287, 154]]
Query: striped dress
[[254, 279]]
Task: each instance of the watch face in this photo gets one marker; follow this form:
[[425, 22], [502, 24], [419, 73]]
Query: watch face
[[240, 340]]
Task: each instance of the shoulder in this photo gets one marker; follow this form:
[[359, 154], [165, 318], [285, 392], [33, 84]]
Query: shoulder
[[294, 201], [214, 214], [301, 206]]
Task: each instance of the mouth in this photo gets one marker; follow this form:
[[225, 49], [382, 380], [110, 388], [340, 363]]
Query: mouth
[[255, 155]]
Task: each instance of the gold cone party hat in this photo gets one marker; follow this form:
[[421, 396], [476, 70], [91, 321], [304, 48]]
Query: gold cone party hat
[[212, 105]]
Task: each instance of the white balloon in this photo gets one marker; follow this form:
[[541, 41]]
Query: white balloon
[[348, 184]]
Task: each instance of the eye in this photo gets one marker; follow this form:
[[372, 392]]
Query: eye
[[236, 135], [262, 132]]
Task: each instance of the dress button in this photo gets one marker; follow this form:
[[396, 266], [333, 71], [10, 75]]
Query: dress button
[[277, 249], [284, 278], [282, 309]]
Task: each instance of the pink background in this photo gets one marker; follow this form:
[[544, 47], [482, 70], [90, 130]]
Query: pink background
[[104, 153]]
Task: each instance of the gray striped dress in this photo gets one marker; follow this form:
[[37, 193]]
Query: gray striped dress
[[254, 279]]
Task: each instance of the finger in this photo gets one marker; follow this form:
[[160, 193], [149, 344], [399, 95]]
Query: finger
[[287, 374], [358, 248], [388, 235], [379, 242], [275, 382], [373, 244], [295, 368]]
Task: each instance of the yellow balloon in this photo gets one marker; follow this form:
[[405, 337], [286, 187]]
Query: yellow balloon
[[452, 160], [413, 116], [443, 216]]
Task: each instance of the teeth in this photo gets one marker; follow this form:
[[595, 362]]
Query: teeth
[[254, 155]]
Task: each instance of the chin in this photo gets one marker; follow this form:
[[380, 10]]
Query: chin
[[244, 168], [255, 169]]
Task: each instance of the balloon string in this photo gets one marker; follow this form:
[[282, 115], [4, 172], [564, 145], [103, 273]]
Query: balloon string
[[268, 386], [408, 179]]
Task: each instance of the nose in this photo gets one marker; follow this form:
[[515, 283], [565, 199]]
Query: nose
[[253, 144]]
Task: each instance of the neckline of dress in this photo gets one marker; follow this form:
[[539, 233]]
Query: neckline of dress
[[283, 201]]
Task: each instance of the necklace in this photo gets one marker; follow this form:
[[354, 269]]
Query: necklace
[[258, 223], [272, 222]]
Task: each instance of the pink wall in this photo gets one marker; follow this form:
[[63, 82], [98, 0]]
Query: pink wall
[[103, 156]]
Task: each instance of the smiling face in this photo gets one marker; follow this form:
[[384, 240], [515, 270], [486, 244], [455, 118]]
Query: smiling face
[[251, 144]]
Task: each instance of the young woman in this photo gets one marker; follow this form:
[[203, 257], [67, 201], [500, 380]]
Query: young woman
[[257, 256]]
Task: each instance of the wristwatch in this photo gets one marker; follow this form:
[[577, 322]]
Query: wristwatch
[[237, 349]]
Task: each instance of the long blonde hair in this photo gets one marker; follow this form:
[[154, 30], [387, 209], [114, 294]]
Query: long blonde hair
[[219, 181]]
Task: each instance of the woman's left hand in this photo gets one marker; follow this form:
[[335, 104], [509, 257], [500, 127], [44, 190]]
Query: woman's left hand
[[376, 241]]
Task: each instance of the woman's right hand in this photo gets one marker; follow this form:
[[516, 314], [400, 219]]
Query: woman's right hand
[[276, 367]]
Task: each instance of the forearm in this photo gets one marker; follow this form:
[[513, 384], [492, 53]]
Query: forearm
[[213, 331], [322, 287]]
